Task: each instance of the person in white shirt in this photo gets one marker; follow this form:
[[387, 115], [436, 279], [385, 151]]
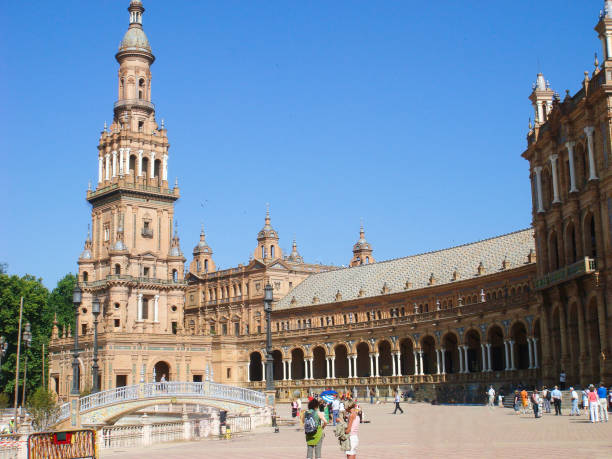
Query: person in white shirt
[[335, 406], [574, 396], [397, 403], [491, 393]]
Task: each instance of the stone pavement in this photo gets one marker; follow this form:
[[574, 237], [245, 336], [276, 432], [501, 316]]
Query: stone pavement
[[422, 431]]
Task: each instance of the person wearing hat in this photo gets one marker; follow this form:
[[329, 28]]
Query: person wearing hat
[[574, 396]]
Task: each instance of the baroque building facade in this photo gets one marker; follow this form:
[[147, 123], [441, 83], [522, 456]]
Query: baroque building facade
[[517, 308]]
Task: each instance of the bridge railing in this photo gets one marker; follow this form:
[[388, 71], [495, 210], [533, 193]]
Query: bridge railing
[[107, 397], [204, 389]]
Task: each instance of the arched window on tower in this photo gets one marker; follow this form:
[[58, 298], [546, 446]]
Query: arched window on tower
[[174, 275], [271, 251], [156, 169], [263, 252], [367, 260], [85, 276], [591, 236], [205, 266], [117, 269], [141, 88]]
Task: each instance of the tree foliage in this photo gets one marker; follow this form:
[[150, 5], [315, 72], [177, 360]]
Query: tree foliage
[[39, 308], [43, 408]]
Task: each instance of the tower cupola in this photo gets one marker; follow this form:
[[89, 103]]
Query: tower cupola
[[542, 100], [362, 251], [202, 256], [295, 255], [267, 242]]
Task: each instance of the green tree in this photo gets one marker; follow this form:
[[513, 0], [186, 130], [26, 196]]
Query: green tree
[[42, 406]]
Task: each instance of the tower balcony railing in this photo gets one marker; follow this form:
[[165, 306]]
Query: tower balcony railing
[[134, 102], [580, 268], [134, 279], [131, 186]]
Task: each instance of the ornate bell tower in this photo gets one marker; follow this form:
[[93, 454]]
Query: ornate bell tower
[[133, 263]]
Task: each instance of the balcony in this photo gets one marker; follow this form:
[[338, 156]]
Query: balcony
[[132, 280], [147, 232], [124, 185], [138, 103], [573, 271]]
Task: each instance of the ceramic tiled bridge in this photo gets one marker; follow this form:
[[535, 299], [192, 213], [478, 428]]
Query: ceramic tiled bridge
[[108, 406]]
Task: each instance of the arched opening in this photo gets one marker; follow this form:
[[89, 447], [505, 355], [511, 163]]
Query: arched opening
[[582, 165], [590, 236], [271, 251], [277, 365], [363, 359], [85, 276], [145, 168], [593, 338], [161, 370], [132, 165], [518, 332], [341, 362], [428, 346], [496, 339], [546, 189], [319, 364], [156, 172], [571, 252], [451, 353], [384, 358], [573, 342], [555, 341], [117, 269], [255, 367], [406, 356], [141, 88], [174, 275], [553, 252], [474, 352], [297, 363]]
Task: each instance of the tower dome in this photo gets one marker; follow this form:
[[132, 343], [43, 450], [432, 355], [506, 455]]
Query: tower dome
[[135, 40]]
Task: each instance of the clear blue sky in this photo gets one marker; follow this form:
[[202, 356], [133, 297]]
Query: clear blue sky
[[409, 114]]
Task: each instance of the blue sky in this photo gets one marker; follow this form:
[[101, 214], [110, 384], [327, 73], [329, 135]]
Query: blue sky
[[411, 115]]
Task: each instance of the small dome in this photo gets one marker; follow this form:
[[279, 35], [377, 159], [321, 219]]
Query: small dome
[[119, 245], [135, 39], [86, 255], [175, 252]]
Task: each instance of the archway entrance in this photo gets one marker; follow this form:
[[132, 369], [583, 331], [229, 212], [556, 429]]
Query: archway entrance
[[555, 334], [407, 357], [496, 339], [363, 359], [297, 364], [384, 359], [341, 363], [161, 369], [255, 367], [593, 339], [428, 345], [277, 365], [451, 353], [472, 340], [518, 332], [319, 364]]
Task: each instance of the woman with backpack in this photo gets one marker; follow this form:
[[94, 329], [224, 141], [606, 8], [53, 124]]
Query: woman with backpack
[[314, 422], [352, 429]]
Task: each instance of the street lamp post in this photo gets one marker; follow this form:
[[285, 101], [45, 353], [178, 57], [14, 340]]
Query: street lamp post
[[76, 302], [268, 297], [95, 308], [27, 341]]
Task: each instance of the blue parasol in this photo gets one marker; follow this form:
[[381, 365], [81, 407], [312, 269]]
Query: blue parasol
[[328, 395]]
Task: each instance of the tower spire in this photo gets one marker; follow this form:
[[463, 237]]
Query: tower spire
[[362, 250]]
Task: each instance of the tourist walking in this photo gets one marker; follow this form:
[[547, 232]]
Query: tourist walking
[[352, 429], [546, 399], [335, 408], [593, 404], [574, 396], [372, 394], [517, 402], [556, 399], [314, 423], [585, 401], [562, 378], [397, 403], [524, 401], [491, 394], [294, 411], [299, 406], [535, 403], [602, 394]]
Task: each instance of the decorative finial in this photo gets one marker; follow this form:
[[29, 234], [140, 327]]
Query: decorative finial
[[530, 125], [162, 125], [596, 63], [105, 127], [89, 185], [175, 182]]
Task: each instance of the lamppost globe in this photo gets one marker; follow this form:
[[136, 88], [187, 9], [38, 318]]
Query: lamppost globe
[[268, 298], [76, 296], [268, 294], [95, 306]]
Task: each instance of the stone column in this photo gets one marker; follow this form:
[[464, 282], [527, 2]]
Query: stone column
[[529, 344], [289, 362], [589, 132], [421, 361], [100, 169], [572, 168], [539, 203], [483, 366], [140, 163], [107, 167], [355, 375], [459, 350], [152, 165], [553, 165], [489, 363], [165, 167], [139, 306], [121, 163], [371, 364], [114, 163], [465, 355], [443, 358], [511, 346], [437, 361], [535, 353], [306, 369], [393, 363], [416, 363], [284, 370], [156, 309], [376, 360], [540, 106], [506, 353], [327, 371], [126, 168], [333, 366]]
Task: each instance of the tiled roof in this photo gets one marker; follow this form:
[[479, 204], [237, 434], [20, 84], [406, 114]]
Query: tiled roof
[[416, 269]]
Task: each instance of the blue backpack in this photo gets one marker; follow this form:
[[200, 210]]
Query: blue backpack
[[311, 423]]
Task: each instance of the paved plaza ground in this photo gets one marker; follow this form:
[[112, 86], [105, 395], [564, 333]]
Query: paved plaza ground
[[422, 431]]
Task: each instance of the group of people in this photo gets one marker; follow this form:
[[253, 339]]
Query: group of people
[[594, 402], [343, 413]]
